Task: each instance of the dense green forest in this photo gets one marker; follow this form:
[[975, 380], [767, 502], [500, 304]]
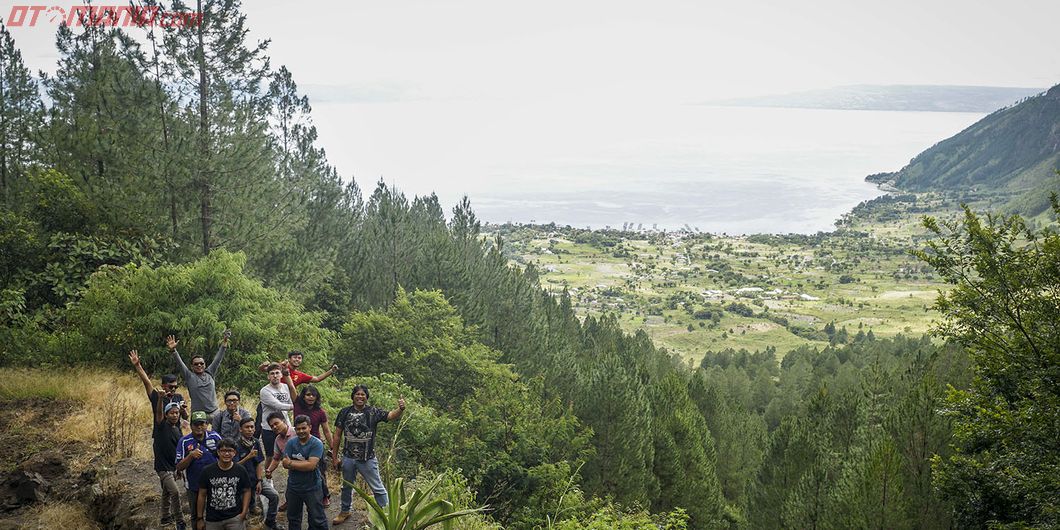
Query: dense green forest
[[169, 182]]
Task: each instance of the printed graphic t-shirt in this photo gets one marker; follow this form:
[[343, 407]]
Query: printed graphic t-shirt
[[358, 431], [224, 491]]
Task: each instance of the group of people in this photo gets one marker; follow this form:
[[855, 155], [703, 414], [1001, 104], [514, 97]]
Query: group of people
[[228, 456]]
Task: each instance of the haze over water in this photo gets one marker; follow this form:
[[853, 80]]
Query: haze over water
[[721, 169]]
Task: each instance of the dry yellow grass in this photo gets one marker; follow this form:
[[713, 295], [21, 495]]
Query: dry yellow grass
[[59, 516], [111, 413]]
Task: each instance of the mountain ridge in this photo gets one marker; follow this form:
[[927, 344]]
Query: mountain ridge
[[1013, 150]]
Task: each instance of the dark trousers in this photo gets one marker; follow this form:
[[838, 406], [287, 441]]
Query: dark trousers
[[314, 505], [268, 439], [193, 503], [323, 469]]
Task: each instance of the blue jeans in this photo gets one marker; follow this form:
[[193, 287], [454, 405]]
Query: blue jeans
[[314, 504], [369, 469]]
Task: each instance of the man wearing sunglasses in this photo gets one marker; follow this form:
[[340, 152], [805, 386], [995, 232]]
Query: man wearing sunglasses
[[168, 394], [200, 379]]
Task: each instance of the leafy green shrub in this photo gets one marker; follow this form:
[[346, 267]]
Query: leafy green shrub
[[611, 517], [133, 307], [737, 308]]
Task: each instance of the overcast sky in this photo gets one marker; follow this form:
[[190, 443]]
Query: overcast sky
[[416, 90], [662, 49]]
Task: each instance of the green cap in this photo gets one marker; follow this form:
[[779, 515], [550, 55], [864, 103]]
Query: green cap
[[198, 416]]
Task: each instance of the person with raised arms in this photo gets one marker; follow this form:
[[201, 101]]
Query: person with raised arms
[[166, 437], [201, 379], [293, 362], [167, 394]]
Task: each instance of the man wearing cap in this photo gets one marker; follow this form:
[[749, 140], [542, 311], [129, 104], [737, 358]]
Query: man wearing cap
[[195, 451], [224, 492], [166, 437], [226, 422], [169, 387], [200, 379]]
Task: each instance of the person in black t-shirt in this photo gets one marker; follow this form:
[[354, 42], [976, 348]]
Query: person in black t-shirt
[[168, 393], [224, 492], [166, 435], [355, 433]]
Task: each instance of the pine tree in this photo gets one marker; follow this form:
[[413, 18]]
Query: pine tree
[[21, 114], [218, 78], [612, 402], [684, 459], [101, 126]]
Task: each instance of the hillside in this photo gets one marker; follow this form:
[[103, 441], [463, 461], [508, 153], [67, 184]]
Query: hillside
[[1015, 149]]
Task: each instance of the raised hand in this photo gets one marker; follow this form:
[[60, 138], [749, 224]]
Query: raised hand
[[401, 402], [134, 357], [226, 337], [171, 342]]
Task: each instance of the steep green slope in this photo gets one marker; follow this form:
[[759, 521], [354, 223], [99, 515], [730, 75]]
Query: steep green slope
[[1013, 149]]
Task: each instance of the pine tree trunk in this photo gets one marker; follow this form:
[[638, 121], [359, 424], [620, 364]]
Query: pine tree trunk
[[205, 212]]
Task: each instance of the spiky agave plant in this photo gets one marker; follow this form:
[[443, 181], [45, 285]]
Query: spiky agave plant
[[415, 511]]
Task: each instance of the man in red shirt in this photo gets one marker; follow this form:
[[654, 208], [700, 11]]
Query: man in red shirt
[[294, 360]]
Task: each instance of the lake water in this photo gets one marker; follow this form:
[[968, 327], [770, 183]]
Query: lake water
[[596, 164]]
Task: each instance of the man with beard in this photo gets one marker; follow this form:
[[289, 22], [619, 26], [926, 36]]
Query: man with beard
[[250, 454]]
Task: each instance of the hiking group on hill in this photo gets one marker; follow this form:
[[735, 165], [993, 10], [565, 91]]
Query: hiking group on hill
[[226, 456]]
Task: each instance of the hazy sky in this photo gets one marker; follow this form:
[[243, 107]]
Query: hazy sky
[[440, 95], [686, 50]]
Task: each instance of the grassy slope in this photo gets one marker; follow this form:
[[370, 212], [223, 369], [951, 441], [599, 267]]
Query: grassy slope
[[891, 293]]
